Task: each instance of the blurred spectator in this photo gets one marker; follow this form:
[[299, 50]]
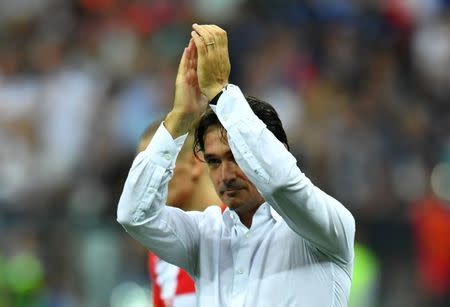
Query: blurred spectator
[[365, 282], [431, 222], [431, 55]]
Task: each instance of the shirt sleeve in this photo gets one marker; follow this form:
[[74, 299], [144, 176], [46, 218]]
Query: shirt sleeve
[[319, 218], [169, 232]]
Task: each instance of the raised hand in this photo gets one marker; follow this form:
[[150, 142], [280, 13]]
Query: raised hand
[[188, 97], [213, 63], [189, 102]]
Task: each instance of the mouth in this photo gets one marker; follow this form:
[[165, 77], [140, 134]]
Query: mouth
[[231, 192]]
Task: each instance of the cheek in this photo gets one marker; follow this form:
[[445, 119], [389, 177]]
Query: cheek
[[240, 174], [213, 174]]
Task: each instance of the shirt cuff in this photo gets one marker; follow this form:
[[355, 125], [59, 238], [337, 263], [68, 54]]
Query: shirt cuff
[[232, 108], [163, 149]]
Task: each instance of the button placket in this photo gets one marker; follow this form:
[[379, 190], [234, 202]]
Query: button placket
[[241, 264]]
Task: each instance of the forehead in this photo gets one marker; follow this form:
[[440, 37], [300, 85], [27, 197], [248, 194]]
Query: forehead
[[215, 140]]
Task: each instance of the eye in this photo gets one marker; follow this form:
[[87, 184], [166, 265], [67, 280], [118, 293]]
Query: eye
[[213, 162]]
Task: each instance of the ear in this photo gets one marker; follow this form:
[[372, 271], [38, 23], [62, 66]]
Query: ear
[[197, 167]]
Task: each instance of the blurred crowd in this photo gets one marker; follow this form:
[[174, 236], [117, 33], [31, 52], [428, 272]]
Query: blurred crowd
[[363, 88]]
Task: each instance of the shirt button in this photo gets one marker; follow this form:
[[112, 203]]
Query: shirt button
[[225, 118], [248, 235], [167, 156], [240, 271]]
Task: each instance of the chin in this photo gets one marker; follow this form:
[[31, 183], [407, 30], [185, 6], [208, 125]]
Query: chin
[[233, 204], [233, 200]]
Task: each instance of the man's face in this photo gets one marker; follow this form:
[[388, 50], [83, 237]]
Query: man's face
[[231, 184]]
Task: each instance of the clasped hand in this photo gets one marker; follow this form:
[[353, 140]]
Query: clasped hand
[[203, 72]]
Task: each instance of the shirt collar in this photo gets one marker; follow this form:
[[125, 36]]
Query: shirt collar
[[264, 211]]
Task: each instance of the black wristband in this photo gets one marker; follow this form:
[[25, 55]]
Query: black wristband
[[216, 98]]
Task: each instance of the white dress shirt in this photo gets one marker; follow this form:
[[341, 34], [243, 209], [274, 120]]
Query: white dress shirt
[[298, 250]]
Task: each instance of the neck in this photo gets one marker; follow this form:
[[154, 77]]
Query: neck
[[203, 196], [246, 217]]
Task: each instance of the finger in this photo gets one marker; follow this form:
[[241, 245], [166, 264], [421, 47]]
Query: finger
[[195, 62], [208, 34], [194, 50], [214, 34], [211, 30], [199, 44], [192, 65], [220, 34], [190, 53], [191, 46], [203, 32], [189, 75], [217, 29], [183, 62], [208, 30], [189, 50], [193, 54]]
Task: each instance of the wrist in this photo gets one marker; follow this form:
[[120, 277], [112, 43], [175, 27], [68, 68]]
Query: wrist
[[214, 91], [179, 122]]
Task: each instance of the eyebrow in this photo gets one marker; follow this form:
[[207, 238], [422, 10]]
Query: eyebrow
[[206, 156]]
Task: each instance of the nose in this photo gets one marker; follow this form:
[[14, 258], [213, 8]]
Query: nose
[[228, 171]]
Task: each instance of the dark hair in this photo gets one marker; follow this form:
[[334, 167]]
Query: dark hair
[[262, 109]]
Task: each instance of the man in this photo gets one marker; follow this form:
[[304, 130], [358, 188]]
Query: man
[[283, 241], [189, 189]]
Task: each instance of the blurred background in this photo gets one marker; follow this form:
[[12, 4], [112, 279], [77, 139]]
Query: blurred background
[[363, 88]]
